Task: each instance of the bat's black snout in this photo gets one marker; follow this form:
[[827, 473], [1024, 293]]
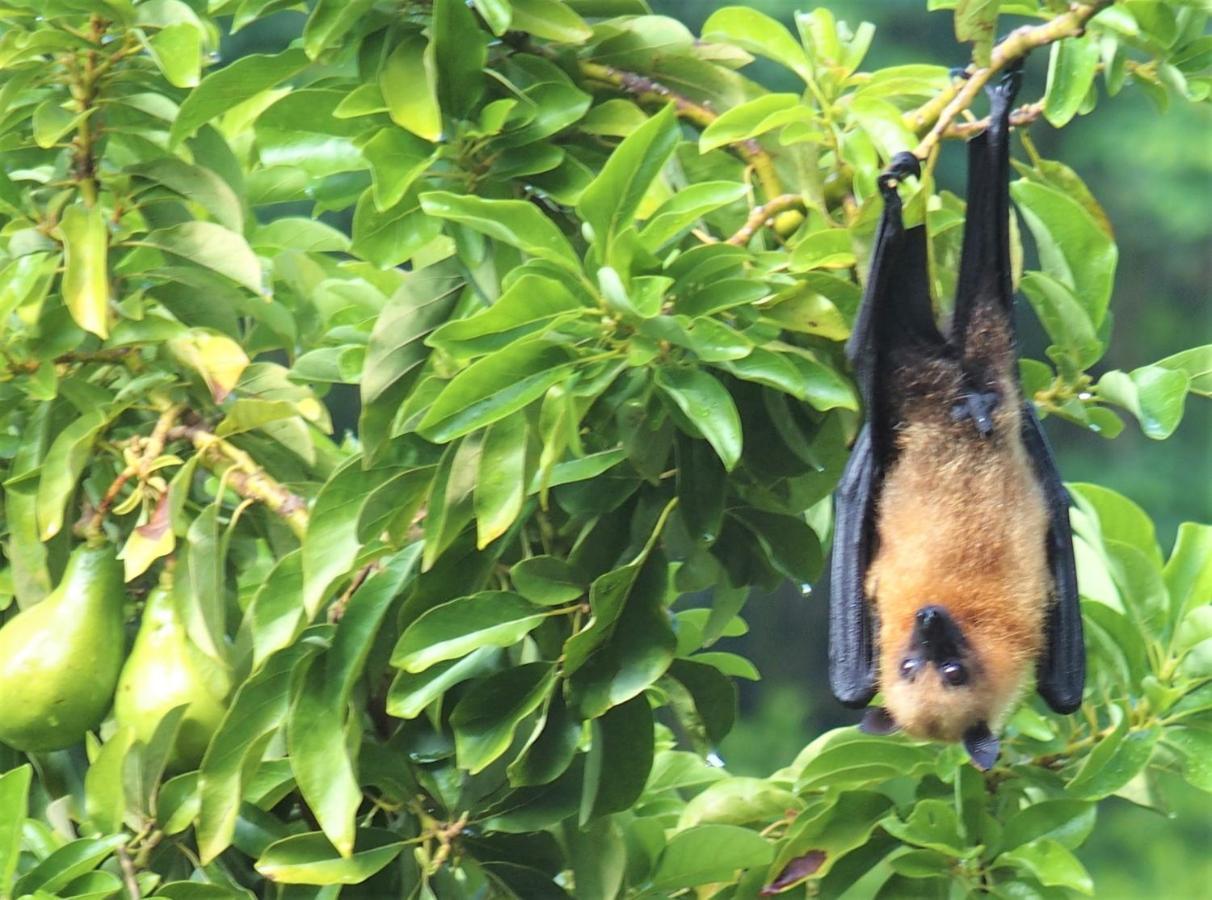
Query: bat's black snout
[[937, 634]]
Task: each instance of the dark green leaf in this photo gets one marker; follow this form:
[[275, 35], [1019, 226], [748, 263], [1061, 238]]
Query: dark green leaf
[[232, 85], [485, 720], [456, 628]]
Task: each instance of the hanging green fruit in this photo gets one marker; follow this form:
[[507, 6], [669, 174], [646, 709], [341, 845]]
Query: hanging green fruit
[[59, 660], [166, 670]]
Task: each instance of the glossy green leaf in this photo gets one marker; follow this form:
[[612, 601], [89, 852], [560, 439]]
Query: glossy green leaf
[[1197, 363], [213, 247], [256, 712], [1051, 864], [485, 720], [197, 184], [546, 580], [409, 85], [1073, 248], [495, 387], [177, 50], [1188, 571], [329, 21], [412, 692], [104, 797], [500, 486], [758, 33], [67, 863], [85, 267], [64, 462], [619, 759], [611, 201], [457, 627], [681, 211], [705, 402], [709, 853], [549, 19], [513, 222], [14, 799], [397, 159], [233, 84], [322, 766], [976, 22], [530, 304], [497, 13], [310, 859], [752, 118], [1072, 66], [1151, 393], [391, 237]]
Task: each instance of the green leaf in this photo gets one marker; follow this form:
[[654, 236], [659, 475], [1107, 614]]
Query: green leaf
[[391, 237], [330, 20], [1051, 865], [457, 627], [1072, 66], [828, 832], [460, 51], [976, 22], [85, 267], [310, 859], [196, 184], [737, 801], [1197, 363], [233, 84], [485, 720], [1151, 393], [628, 643], [500, 487], [66, 864], [1114, 761], [933, 824], [709, 853], [550, 20], [331, 545], [494, 387], [497, 13], [546, 580], [104, 796], [411, 692], [551, 748], [1068, 822], [51, 121], [619, 759], [212, 247], [531, 303], [64, 462], [1073, 248], [257, 711], [316, 738], [177, 50], [753, 118], [1065, 319], [708, 406], [397, 159], [409, 82], [14, 800], [514, 222], [1188, 571], [758, 33], [829, 248], [610, 202], [681, 211]]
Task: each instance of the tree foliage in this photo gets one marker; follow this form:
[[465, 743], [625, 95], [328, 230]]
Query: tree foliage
[[589, 283]]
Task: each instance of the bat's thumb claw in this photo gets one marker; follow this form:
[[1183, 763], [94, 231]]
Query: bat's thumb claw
[[901, 167]]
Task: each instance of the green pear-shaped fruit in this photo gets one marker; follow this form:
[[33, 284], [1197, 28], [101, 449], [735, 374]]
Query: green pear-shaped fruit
[[59, 660], [166, 670]]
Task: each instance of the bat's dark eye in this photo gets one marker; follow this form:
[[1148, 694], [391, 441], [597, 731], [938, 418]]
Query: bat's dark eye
[[953, 673], [909, 668]]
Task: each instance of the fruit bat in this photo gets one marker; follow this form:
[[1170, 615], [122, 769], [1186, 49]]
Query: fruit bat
[[952, 569]]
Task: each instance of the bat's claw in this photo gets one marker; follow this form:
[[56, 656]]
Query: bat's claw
[[902, 166]]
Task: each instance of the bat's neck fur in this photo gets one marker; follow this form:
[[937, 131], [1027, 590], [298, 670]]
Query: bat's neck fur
[[961, 523]]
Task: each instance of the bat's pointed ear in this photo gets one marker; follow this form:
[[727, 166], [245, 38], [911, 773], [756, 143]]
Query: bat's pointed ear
[[877, 720], [982, 746]]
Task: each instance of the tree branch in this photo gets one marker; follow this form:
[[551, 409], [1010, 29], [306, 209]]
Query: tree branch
[[760, 215], [944, 109], [646, 90], [244, 476], [1024, 115]]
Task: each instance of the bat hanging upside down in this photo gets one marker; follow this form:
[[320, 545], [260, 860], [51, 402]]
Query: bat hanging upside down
[[952, 574]]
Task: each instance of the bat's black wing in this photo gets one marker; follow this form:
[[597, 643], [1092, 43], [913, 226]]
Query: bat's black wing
[[1061, 674], [896, 314]]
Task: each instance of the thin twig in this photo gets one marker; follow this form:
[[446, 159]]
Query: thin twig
[[646, 90], [760, 215], [1024, 115], [244, 476], [336, 612], [951, 103], [128, 874]]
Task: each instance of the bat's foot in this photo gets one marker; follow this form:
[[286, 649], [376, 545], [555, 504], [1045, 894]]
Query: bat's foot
[[901, 167]]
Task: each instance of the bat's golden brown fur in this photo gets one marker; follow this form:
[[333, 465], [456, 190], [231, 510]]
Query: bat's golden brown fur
[[960, 525]]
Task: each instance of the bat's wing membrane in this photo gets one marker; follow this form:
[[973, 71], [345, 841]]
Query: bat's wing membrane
[[1061, 674], [895, 313]]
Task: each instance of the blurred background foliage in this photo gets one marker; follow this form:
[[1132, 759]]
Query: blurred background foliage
[[1151, 169]]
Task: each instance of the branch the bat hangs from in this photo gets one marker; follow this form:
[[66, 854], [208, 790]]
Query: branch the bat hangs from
[[953, 578]]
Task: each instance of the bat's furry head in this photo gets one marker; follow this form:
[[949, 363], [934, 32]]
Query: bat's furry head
[[946, 680]]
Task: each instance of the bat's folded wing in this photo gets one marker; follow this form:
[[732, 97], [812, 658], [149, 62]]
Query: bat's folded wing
[[1061, 674], [852, 666]]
